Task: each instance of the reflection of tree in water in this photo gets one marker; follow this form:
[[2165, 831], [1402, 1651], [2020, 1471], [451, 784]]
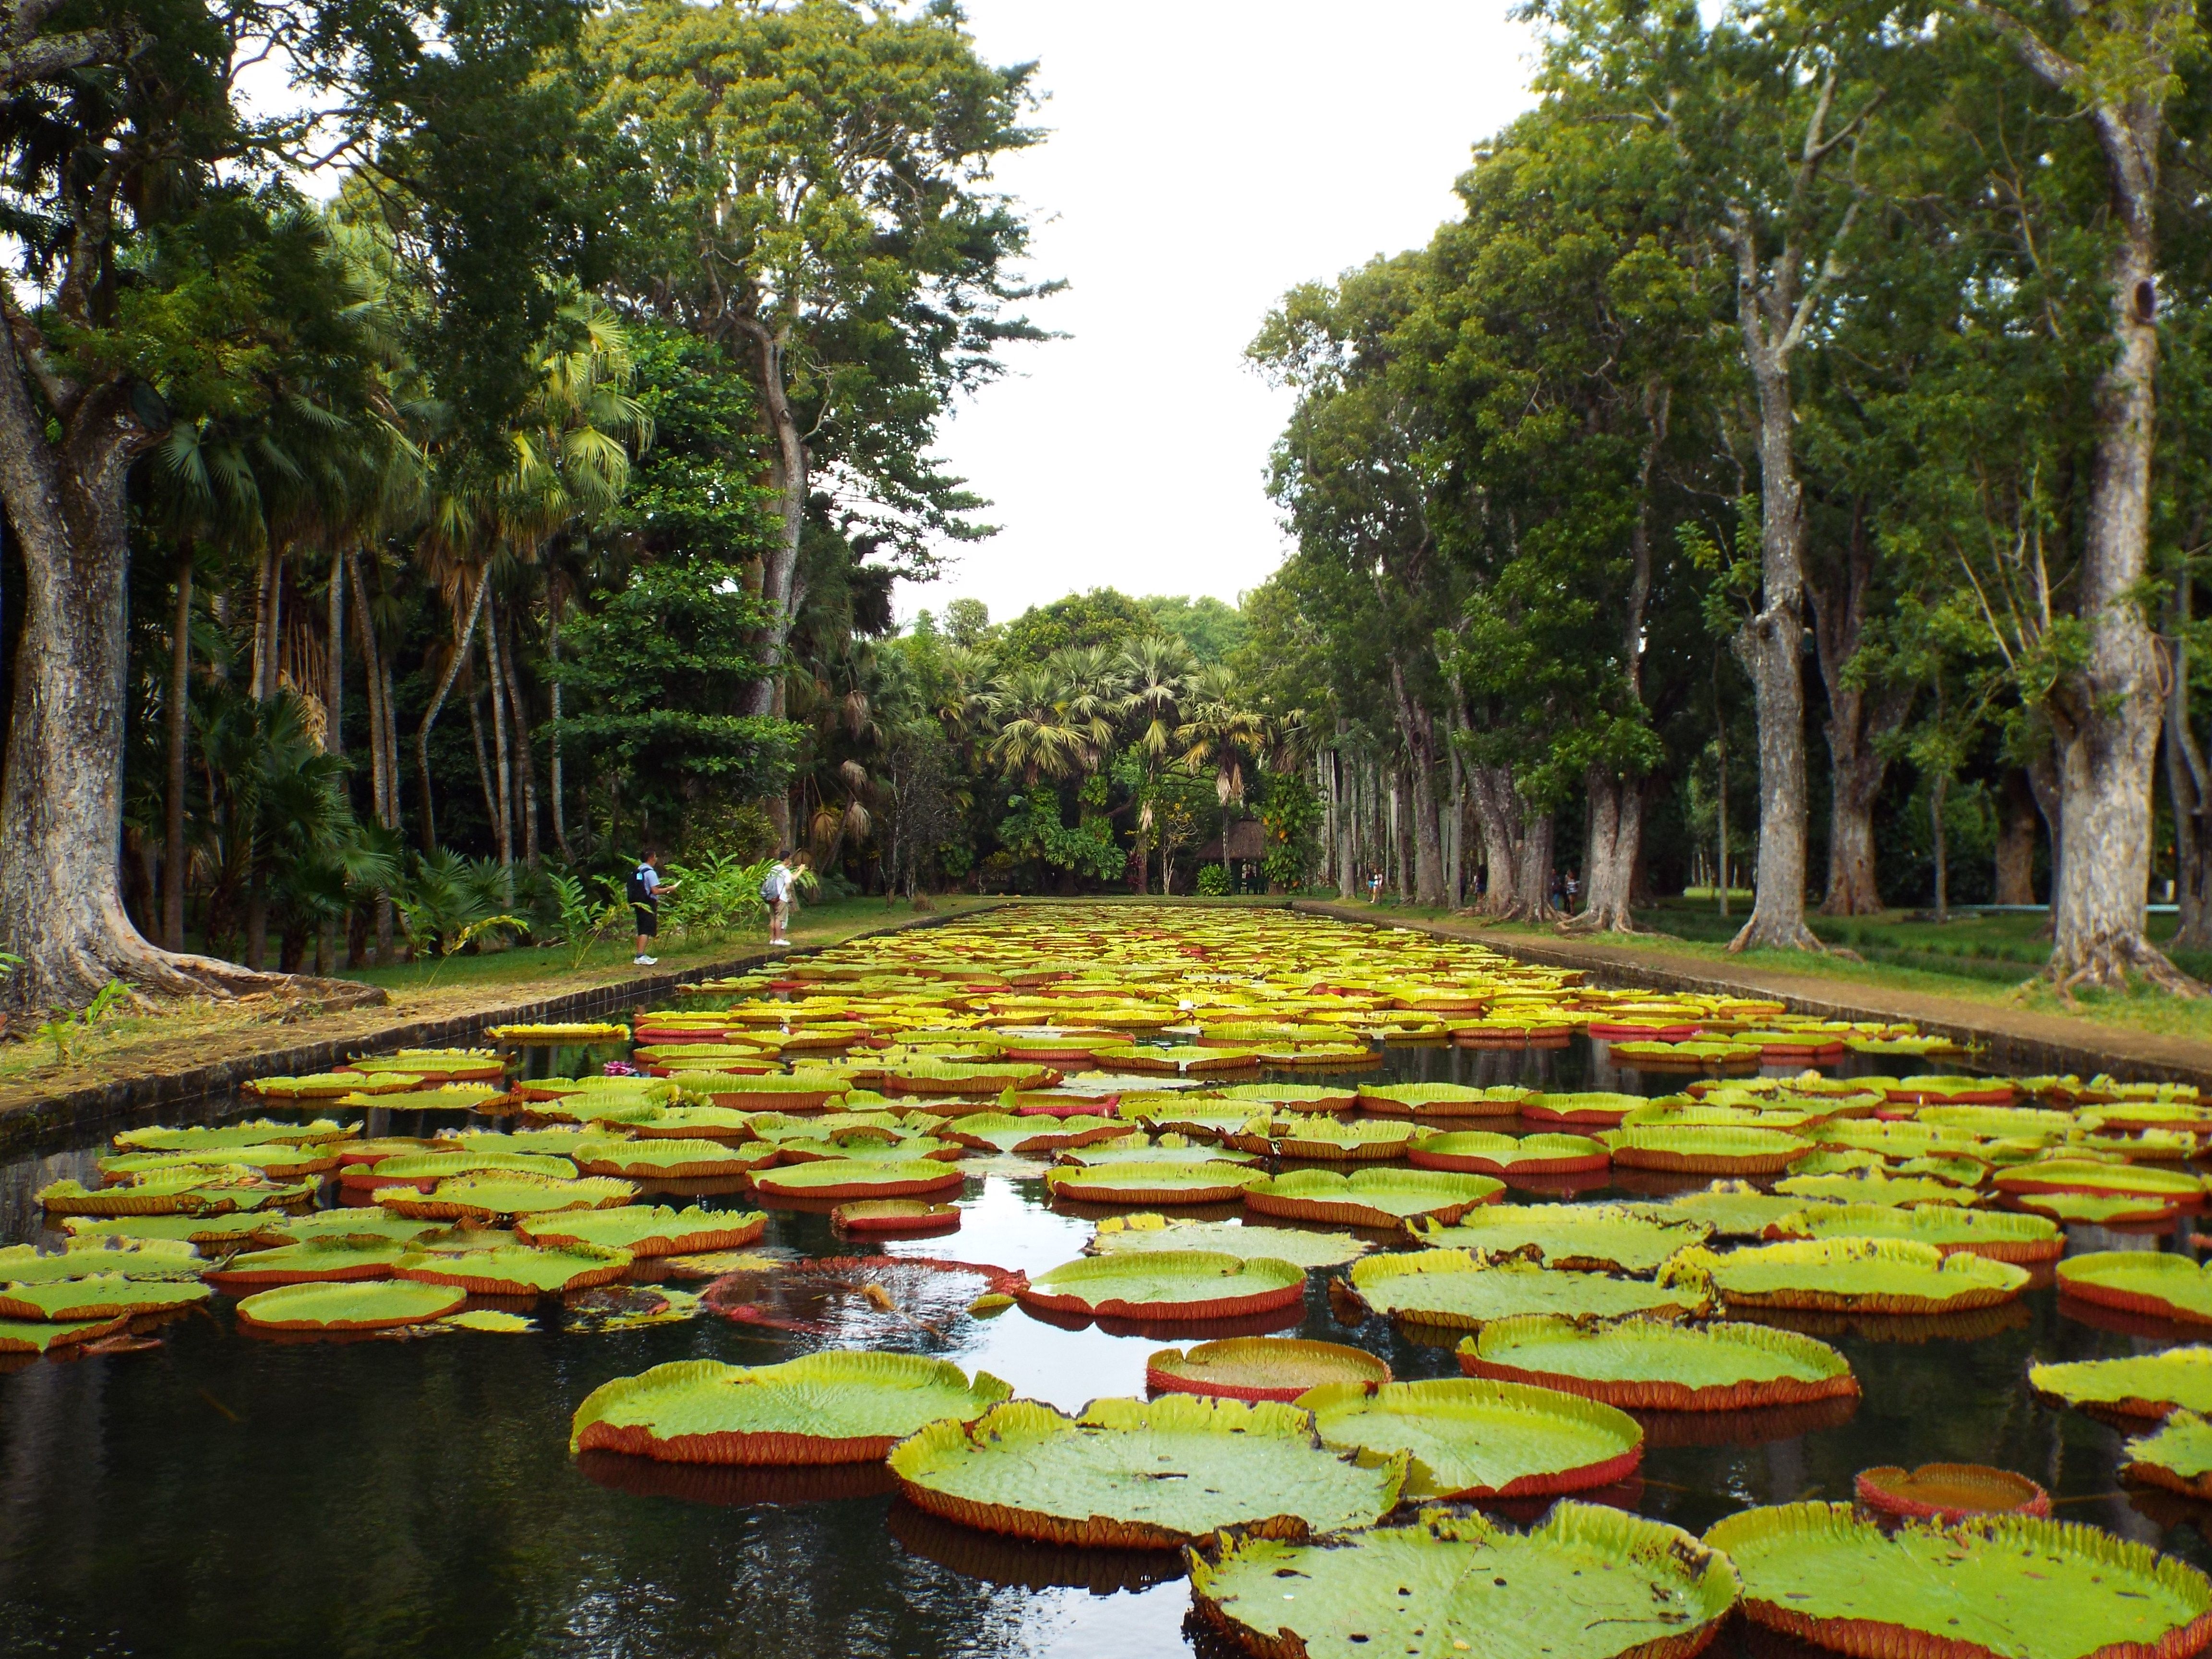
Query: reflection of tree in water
[[858, 1299], [1026, 1563]]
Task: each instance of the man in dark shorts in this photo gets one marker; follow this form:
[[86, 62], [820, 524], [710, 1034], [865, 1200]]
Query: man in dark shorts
[[645, 885]]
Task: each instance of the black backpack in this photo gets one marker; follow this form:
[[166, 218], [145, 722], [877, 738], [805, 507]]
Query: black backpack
[[639, 893]]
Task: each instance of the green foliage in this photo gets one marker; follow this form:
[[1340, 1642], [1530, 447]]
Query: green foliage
[[584, 922], [1213, 881], [1291, 812], [716, 895]]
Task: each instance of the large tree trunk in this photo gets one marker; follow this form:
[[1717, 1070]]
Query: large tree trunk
[[1518, 845], [1860, 718], [1348, 879], [525, 764], [503, 815], [175, 872], [1616, 841], [2107, 712], [383, 744], [1417, 727], [553, 782], [788, 467], [2014, 871], [61, 805]]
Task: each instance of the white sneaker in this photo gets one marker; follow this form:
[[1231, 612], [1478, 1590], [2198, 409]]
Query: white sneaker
[[646, 961]]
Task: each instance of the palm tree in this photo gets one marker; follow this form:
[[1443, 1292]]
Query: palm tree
[[1036, 738], [1156, 670], [1221, 729]]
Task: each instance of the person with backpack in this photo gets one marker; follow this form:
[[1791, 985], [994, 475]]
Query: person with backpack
[[776, 891], [645, 885]]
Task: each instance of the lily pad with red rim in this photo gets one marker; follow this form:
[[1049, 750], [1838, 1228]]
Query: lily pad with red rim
[[1456, 1290], [1156, 1285], [1472, 1437], [517, 1270], [1261, 1368], [896, 1215], [1949, 1491], [1580, 1237], [646, 1231], [1134, 1184], [1714, 1151], [1647, 1364], [1859, 1275], [483, 1197], [1120, 1234], [2176, 1456], [379, 1304], [1370, 1197], [1999, 1235], [855, 1178], [317, 1261], [1475, 1151], [105, 1296], [2153, 1282]]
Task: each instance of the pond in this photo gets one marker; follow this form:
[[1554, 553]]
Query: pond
[[221, 1495]]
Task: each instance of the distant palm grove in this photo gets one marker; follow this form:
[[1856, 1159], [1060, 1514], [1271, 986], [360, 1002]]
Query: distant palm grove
[[1787, 473]]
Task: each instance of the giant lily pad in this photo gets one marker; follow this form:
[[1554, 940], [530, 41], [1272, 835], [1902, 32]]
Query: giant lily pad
[[1167, 1284], [2099, 1210], [1590, 1583], [1732, 1209], [1122, 1234], [271, 1163], [2134, 1385], [94, 1258], [175, 1192], [353, 1223], [833, 1407], [1998, 1585], [646, 1230], [1703, 1151], [517, 1270], [669, 1159], [1996, 1234], [2075, 1174], [480, 1197], [1332, 1141], [1007, 1131], [1874, 1188], [1475, 1151], [1371, 1198], [1139, 1148], [424, 1171], [2177, 1456], [1130, 1474], [2140, 1281], [323, 1261], [36, 1336], [261, 1132], [1583, 1237], [380, 1304], [1474, 1437], [208, 1232], [1211, 1183], [107, 1296], [1428, 1101], [848, 1177], [1262, 1368], [1859, 1275], [1648, 1365], [1597, 1110], [1460, 1291]]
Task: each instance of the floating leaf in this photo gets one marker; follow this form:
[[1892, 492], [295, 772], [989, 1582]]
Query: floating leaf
[[1996, 1234], [1211, 1183], [2140, 1281], [1371, 1198], [1860, 1275], [105, 1296], [2177, 1456], [1261, 1368], [480, 1197], [1600, 1237], [2134, 1385], [379, 1304], [835, 1407], [1167, 1284], [1474, 1437], [1645, 1365], [1134, 1475], [1118, 1234], [1476, 1152], [1457, 1290], [318, 1260], [646, 1230]]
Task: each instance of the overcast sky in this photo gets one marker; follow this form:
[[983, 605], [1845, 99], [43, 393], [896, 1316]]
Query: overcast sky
[[1205, 155]]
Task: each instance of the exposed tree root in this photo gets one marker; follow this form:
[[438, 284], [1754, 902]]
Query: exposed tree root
[[73, 976], [1787, 936], [2104, 961], [1607, 921]]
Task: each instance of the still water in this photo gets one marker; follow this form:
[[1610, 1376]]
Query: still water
[[221, 1495]]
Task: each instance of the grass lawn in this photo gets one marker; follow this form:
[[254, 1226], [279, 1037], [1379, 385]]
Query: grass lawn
[[1988, 959], [193, 1033]]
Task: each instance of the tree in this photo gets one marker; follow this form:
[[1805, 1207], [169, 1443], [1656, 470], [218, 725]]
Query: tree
[[810, 197], [115, 182]]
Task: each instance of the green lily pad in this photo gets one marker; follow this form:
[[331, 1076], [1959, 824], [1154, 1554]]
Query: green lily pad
[[1211, 1183], [490, 1319], [1004, 1132], [2000, 1123], [104, 1297], [1997, 1584], [1457, 1290], [318, 1260], [668, 1159], [1123, 1234], [1593, 1109], [1471, 1437], [1140, 1148], [1873, 1188], [175, 1192], [1583, 1237], [351, 1221], [1341, 1140], [646, 1230], [259, 1133], [1897, 1140], [1167, 1284], [91, 1258], [1135, 1475], [1647, 1365], [1428, 1101], [2078, 1175], [848, 1177], [428, 1168], [373, 1305], [1591, 1582], [2152, 1282], [832, 1407], [272, 1163], [478, 1197], [2134, 1385], [206, 1232], [1477, 1151], [1858, 1275], [2098, 1210], [1371, 1198], [1732, 1209], [1701, 1151], [19, 1336], [2177, 1456], [1261, 1368], [517, 1269], [1999, 1235]]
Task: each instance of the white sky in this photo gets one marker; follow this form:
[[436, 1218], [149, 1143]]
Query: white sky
[[1205, 155]]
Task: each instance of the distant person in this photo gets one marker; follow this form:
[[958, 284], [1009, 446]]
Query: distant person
[[776, 891], [1574, 889], [645, 885], [1375, 886]]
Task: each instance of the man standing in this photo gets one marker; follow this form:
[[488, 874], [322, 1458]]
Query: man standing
[[776, 890], [645, 885]]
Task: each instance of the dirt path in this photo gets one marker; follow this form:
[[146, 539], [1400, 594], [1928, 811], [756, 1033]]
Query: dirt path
[[2018, 1040]]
